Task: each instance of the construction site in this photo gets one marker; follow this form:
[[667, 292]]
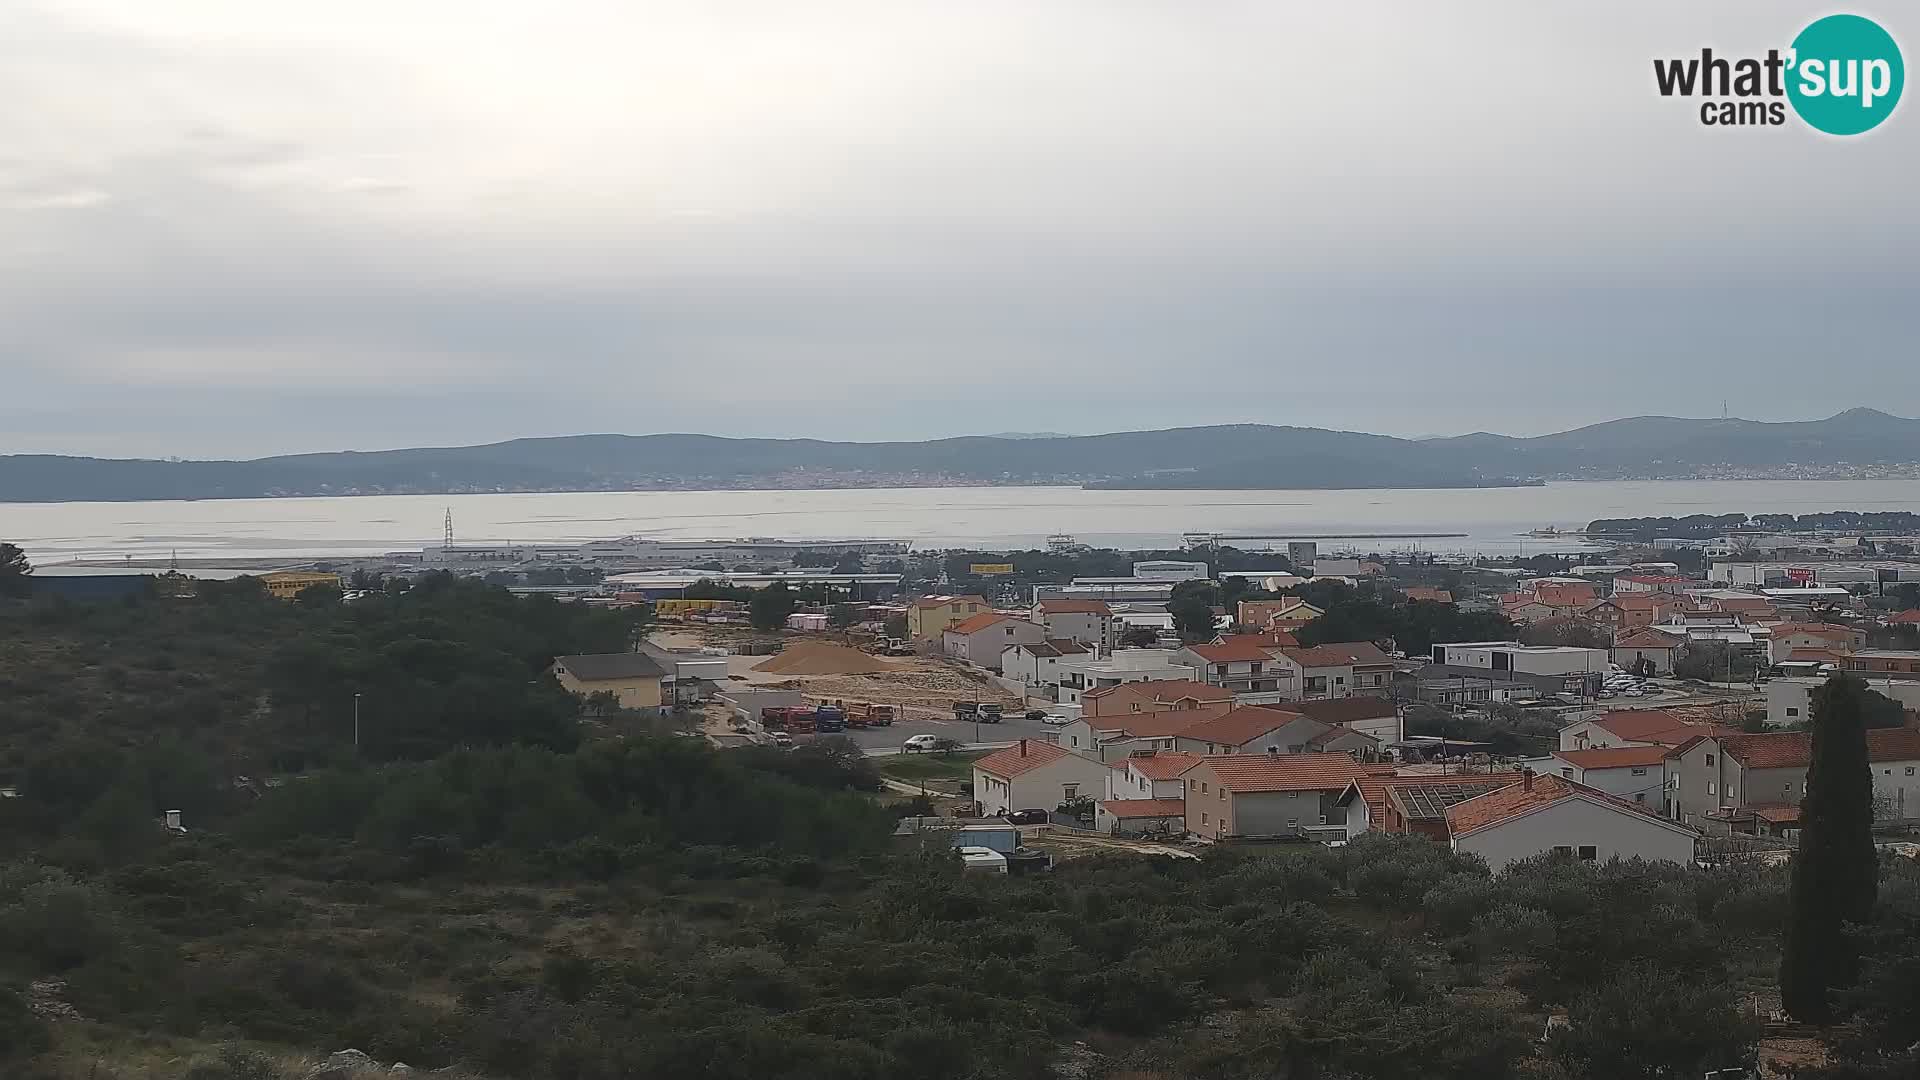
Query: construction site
[[917, 687]]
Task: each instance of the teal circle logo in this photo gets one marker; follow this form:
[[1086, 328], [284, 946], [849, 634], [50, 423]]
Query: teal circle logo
[[1846, 75]]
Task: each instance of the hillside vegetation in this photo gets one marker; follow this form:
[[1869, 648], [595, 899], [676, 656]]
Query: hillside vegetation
[[557, 903]]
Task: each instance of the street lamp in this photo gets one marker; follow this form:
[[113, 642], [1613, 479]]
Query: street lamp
[[356, 723]]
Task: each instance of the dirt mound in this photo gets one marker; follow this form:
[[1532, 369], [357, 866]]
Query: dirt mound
[[818, 658]]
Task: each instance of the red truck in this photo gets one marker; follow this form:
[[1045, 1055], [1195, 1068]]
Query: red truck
[[797, 720]]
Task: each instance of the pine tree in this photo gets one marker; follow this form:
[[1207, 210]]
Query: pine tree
[[1836, 871]]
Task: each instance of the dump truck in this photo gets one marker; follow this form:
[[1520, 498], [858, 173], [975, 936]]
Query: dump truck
[[829, 718], [966, 711], [990, 712]]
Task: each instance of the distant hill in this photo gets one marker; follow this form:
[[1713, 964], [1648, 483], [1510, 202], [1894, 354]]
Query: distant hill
[[1229, 456]]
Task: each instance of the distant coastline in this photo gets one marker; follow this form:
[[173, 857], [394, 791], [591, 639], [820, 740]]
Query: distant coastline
[[1858, 444]]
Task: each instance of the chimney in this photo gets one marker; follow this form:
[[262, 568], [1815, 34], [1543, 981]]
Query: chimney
[[1023, 748], [1526, 779]]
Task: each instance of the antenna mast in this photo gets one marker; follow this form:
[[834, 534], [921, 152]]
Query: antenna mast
[[447, 542]]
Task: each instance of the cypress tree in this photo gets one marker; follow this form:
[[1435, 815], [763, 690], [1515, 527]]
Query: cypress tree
[[1835, 871]]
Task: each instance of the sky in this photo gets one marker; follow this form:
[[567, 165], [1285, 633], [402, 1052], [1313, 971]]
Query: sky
[[231, 228]]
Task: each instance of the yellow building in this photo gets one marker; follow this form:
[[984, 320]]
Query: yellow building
[[929, 617], [286, 584], [632, 678]]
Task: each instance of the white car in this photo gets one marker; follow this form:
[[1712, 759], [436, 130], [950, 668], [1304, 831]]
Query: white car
[[920, 742], [1054, 719]]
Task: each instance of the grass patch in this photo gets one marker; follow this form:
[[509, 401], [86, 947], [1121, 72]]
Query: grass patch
[[914, 768]]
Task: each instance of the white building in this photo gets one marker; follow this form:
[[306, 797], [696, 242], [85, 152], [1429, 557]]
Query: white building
[[982, 639], [1790, 699], [1634, 773], [1522, 659], [1553, 815], [1169, 570], [1032, 775], [1089, 622], [1087, 672], [1039, 664]]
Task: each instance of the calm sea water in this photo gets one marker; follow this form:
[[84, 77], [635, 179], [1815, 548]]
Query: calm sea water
[[1494, 519]]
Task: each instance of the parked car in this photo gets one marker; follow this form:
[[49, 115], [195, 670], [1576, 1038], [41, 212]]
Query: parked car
[[916, 744], [1037, 715], [1054, 719], [781, 738], [1029, 817]]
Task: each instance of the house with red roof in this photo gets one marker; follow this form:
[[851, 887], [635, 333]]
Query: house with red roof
[[1909, 617], [1736, 772], [1788, 636], [1637, 774], [1035, 775], [1540, 815], [1112, 738], [981, 639], [1260, 795], [1156, 695], [1339, 669], [1242, 664], [1634, 727], [1417, 804], [1273, 729], [1427, 594], [1635, 650]]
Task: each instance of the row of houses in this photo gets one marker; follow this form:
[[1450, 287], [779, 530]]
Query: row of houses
[[1331, 796], [1710, 775]]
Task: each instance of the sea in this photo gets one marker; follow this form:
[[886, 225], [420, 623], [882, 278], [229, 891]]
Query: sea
[[1491, 521]]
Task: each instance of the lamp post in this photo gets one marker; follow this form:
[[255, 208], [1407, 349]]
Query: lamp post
[[356, 723]]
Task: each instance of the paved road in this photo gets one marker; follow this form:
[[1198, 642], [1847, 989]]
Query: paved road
[[1006, 731]]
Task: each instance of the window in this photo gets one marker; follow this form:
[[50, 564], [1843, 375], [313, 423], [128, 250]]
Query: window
[[1562, 849], [1909, 770], [1709, 761], [1292, 822], [1193, 785], [1639, 772], [1203, 787], [1792, 711], [1710, 788], [1589, 853], [1203, 817], [1068, 791], [1567, 772], [1639, 796], [1223, 794], [1323, 819]]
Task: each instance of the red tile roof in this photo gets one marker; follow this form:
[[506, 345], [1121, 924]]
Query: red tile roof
[[1157, 725], [1422, 592], [1145, 808], [1373, 787], [1162, 690], [1246, 774], [1232, 650], [976, 623], [1495, 807], [1022, 757], [1075, 607], [1911, 615], [1826, 630], [1776, 813], [1648, 638], [1240, 725], [1655, 726], [1160, 764], [1615, 757], [1338, 654], [1794, 749]]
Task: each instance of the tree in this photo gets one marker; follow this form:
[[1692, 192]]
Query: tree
[[1192, 609], [841, 616], [1646, 1022], [850, 563], [770, 606], [1139, 637], [14, 571], [1835, 872]]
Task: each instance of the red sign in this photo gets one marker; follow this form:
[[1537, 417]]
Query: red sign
[[1800, 574]]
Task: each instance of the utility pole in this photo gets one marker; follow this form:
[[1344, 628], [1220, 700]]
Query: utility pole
[[356, 724]]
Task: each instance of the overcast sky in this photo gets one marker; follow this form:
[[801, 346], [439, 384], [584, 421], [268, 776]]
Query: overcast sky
[[241, 227]]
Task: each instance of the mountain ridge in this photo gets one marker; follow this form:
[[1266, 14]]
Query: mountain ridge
[[1224, 456]]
